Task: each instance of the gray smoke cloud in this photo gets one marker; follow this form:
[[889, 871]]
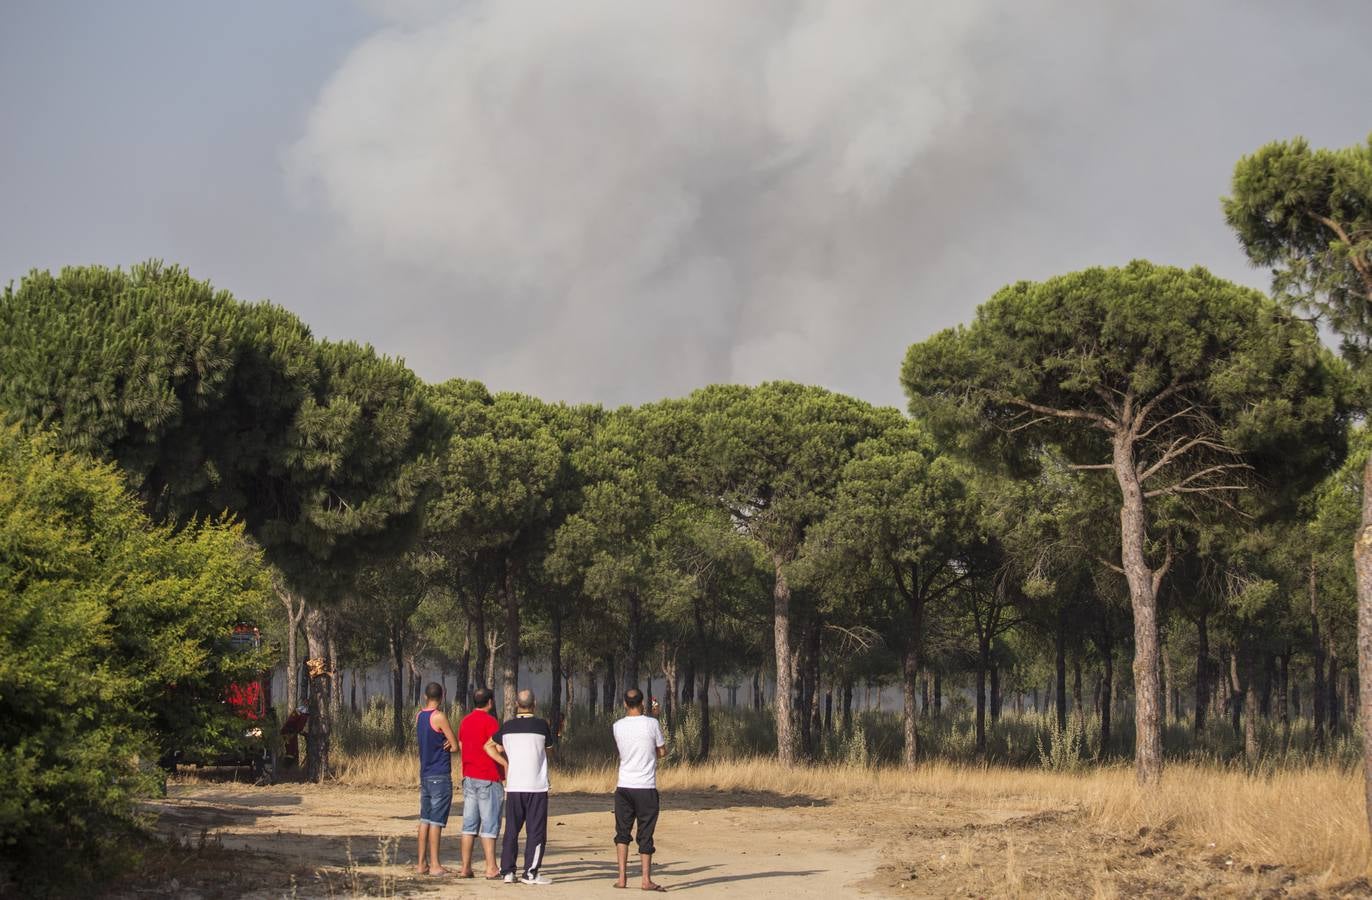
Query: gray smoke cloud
[[615, 200]]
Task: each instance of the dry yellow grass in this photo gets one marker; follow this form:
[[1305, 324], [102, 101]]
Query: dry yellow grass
[[1309, 820]]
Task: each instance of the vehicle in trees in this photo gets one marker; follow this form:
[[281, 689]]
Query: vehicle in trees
[[251, 738]]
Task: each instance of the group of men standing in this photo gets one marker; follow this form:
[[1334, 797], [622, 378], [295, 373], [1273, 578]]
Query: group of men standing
[[505, 764]]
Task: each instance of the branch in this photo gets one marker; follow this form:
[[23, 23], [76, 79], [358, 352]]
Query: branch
[[1163, 421], [1109, 565], [1078, 414], [1173, 388], [1175, 451], [1161, 572], [1091, 467], [1360, 265], [1181, 486], [1196, 490]]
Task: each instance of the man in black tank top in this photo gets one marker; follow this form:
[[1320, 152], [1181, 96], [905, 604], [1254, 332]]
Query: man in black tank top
[[436, 745]]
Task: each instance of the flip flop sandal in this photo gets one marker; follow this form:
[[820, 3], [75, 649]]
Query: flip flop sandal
[[657, 889]]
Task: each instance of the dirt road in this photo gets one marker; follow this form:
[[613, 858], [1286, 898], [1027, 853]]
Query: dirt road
[[294, 840]]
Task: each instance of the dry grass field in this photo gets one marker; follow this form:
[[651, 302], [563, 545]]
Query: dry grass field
[[753, 829]]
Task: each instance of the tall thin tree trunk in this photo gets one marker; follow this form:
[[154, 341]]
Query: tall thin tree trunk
[[1331, 684], [995, 693], [1078, 703], [397, 647], [757, 690], [983, 663], [555, 665], [703, 705], [1283, 695], [938, 692], [295, 614], [483, 647], [1107, 695], [1061, 669], [787, 749], [510, 670], [812, 700], [492, 654], [1171, 712], [669, 689], [1235, 695], [1143, 591], [321, 723], [590, 692], [609, 687], [847, 705], [1202, 672], [1319, 694], [335, 676], [829, 710], [1250, 709], [462, 695], [634, 662]]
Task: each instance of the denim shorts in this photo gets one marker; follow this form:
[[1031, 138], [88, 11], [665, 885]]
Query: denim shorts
[[435, 799], [481, 804]]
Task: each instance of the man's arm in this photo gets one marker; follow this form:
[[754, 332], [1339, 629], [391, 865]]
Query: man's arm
[[450, 742], [497, 753], [661, 744]]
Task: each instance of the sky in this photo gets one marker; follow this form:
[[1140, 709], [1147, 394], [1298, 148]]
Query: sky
[[618, 201]]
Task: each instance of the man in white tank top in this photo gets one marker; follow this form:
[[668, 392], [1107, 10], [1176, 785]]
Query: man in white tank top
[[641, 745]]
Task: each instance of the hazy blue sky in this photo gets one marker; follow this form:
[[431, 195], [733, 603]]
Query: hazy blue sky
[[615, 200]]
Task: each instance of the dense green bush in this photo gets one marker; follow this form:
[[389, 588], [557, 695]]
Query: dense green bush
[[114, 645]]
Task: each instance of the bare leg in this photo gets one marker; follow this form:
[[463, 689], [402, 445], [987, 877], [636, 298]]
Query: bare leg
[[646, 861], [622, 851], [468, 841], [492, 861], [420, 868], [434, 834]]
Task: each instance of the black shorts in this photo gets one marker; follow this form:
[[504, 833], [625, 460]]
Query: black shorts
[[636, 804]]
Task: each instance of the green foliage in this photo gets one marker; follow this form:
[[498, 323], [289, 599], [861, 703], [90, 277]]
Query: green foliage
[[1306, 214], [114, 646]]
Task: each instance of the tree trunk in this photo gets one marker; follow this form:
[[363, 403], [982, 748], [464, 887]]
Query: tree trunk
[[462, 695], [995, 691], [1331, 684], [781, 636], [1171, 712], [847, 710], [703, 705], [295, 614], [591, 692], [910, 719], [321, 724], [983, 662], [1235, 695], [1061, 670], [492, 655], [926, 695], [483, 647], [1362, 563], [1078, 702], [812, 677], [510, 670], [634, 662], [1143, 589], [555, 664], [1250, 709], [1283, 695], [570, 681], [1319, 695], [610, 682], [1107, 695], [352, 697], [1202, 672], [397, 647], [938, 693], [669, 690], [829, 710], [757, 690], [335, 677]]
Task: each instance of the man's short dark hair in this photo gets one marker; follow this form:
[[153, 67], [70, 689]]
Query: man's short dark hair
[[633, 698], [433, 690], [481, 698]]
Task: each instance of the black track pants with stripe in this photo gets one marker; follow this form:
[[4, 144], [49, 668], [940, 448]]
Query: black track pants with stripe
[[528, 811]]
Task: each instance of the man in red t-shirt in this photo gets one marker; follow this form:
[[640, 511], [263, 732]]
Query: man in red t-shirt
[[483, 794]]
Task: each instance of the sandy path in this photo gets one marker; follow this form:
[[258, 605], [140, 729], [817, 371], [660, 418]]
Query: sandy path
[[750, 846]]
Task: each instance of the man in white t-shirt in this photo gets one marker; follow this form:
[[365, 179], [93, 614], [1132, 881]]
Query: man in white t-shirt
[[641, 745]]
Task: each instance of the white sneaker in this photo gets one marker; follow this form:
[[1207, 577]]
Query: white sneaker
[[540, 879], [509, 878]]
